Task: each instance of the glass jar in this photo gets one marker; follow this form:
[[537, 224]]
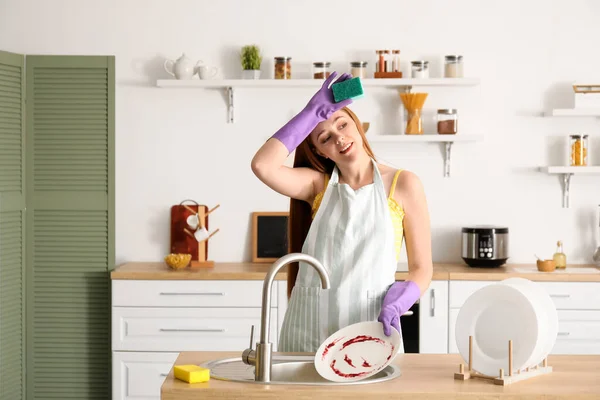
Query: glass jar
[[453, 66], [283, 67], [321, 70], [419, 69], [578, 150], [358, 69], [395, 60], [447, 121], [380, 65]]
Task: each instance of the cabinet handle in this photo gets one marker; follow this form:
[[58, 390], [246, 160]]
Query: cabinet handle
[[190, 330], [564, 333], [164, 374], [432, 303], [192, 294], [561, 295]]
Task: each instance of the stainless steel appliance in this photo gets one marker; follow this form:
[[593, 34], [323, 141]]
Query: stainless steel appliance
[[485, 245]]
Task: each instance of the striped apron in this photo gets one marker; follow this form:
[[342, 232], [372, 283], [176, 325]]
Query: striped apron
[[352, 235]]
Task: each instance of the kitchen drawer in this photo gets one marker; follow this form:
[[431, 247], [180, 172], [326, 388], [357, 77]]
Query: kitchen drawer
[[578, 332], [187, 329], [139, 376], [185, 293], [566, 295]]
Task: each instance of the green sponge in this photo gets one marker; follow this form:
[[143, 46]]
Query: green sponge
[[348, 89]]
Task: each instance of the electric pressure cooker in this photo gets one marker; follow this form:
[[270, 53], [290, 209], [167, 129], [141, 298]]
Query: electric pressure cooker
[[485, 245]]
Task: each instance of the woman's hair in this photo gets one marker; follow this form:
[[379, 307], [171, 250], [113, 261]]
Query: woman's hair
[[300, 211]]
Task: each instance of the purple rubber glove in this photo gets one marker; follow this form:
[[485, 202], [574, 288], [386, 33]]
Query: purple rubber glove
[[319, 108], [399, 299]]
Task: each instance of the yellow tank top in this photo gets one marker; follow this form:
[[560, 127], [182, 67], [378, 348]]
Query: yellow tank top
[[396, 212]]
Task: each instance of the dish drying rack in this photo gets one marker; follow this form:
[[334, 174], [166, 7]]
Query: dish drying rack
[[502, 379]]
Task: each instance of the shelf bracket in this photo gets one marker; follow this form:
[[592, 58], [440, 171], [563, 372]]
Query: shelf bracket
[[566, 185], [230, 111], [447, 155]]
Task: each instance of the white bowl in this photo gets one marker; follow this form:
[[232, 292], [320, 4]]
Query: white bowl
[[493, 315]]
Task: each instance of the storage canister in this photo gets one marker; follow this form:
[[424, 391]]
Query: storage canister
[[578, 150], [321, 70], [283, 67], [419, 69], [453, 66], [447, 121], [358, 69]]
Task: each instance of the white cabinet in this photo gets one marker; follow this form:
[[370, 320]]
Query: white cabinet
[[433, 319], [154, 320], [577, 303]]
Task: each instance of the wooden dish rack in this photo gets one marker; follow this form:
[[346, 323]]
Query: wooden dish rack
[[502, 379]]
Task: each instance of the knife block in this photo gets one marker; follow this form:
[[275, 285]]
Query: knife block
[[182, 241]]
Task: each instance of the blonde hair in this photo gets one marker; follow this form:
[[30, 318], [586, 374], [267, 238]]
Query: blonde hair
[[300, 211]]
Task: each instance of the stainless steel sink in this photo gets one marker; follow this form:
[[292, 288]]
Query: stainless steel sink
[[287, 370]]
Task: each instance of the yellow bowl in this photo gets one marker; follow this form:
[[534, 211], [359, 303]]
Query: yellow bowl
[[546, 265], [177, 261]]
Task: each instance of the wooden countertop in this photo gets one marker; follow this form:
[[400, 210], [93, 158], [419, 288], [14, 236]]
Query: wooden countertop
[[424, 376], [441, 271]]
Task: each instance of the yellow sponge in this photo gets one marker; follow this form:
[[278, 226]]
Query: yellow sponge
[[191, 373]]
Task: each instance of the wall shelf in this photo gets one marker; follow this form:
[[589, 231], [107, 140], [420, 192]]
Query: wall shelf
[[229, 85], [447, 140], [566, 174], [574, 112]]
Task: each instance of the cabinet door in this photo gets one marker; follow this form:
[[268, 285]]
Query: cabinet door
[[12, 226], [433, 319], [139, 376], [70, 225]]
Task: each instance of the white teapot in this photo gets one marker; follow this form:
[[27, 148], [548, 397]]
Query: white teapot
[[182, 68]]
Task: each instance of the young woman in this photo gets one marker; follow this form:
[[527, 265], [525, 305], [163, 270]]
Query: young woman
[[350, 213]]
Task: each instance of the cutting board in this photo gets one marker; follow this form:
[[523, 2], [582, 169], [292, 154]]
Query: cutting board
[[182, 242]]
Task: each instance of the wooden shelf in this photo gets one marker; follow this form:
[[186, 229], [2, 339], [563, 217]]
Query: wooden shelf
[[295, 83], [447, 140], [566, 173], [575, 112]]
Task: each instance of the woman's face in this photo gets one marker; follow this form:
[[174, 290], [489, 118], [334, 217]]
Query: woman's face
[[337, 138]]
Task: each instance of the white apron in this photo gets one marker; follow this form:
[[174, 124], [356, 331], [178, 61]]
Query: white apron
[[352, 235]]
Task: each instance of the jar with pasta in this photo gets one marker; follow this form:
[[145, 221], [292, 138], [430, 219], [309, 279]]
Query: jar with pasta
[[578, 150], [283, 68]]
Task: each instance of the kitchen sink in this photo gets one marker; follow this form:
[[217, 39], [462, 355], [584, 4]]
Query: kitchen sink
[[287, 370]]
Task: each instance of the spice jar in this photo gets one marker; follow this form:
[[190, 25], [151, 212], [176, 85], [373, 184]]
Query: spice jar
[[447, 121], [358, 68], [380, 66], [578, 148], [321, 70], [420, 69], [395, 60], [283, 67], [453, 66]]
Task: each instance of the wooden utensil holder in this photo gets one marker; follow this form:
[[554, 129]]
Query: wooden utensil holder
[[182, 236], [501, 379]]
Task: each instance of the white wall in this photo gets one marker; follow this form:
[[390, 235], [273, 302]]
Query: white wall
[[176, 144]]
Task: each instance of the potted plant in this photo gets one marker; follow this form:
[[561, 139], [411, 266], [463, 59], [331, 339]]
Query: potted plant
[[251, 61]]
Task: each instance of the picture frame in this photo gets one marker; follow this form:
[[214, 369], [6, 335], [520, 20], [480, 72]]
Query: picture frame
[[269, 235]]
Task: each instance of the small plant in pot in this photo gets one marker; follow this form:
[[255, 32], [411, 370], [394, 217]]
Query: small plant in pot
[[251, 61]]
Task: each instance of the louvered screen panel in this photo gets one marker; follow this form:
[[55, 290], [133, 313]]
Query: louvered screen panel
[[71, 132], [12, 206], [11, 305]]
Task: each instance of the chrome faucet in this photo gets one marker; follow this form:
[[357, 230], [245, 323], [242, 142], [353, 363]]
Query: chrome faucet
[[261, 357]]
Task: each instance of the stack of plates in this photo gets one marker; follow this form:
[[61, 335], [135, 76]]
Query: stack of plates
[[514, 309]]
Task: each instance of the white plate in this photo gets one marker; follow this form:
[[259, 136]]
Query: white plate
[[493, 315], [547, 315], [356, 352]]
